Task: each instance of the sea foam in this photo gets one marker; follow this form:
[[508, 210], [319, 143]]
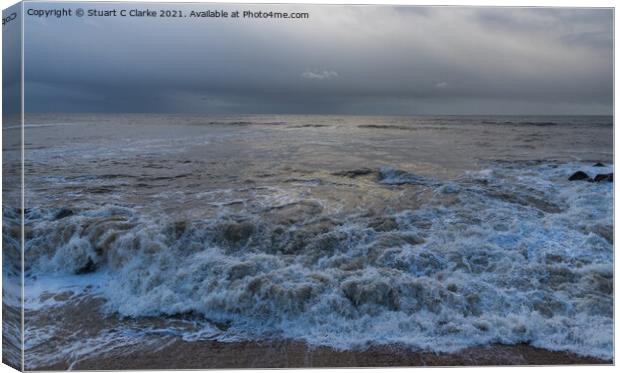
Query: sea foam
[[511, 254]]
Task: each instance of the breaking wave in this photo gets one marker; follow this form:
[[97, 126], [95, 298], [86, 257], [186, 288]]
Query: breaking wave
[[511, 254]]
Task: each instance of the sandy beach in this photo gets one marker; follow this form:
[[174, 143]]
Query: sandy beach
[[216, 355]]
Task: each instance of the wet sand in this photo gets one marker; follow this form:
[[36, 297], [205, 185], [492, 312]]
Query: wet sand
[[217, 355]]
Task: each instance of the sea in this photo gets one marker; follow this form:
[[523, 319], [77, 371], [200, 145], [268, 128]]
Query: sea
[[436, 233]]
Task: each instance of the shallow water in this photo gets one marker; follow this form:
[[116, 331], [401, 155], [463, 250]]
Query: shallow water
[[437, 233]]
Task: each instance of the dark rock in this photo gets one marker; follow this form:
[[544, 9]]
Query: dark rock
[[63, 213], [579, 175], [599, 164], [604, 177]]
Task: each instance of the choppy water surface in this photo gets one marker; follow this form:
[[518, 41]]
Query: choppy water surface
[[438, 233]]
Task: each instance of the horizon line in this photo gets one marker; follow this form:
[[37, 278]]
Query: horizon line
[[311, 114]]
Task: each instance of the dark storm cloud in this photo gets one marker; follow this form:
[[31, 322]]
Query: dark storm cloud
[[588, 27], [367, 60]]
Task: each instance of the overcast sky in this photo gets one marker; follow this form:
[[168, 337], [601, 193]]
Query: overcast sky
[[342, 60]]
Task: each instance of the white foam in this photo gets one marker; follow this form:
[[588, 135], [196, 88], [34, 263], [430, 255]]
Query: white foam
[[518, 256], [36, 289]]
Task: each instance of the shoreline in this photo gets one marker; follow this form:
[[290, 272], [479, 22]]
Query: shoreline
[[159, 351], [179, 354]]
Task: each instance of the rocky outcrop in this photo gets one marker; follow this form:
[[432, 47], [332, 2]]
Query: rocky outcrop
[[604, 177], [579, 175]]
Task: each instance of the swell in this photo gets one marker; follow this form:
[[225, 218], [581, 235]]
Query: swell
[[502, 255]]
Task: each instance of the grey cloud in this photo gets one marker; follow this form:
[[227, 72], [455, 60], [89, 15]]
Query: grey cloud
[[355, 59], [325, 74]]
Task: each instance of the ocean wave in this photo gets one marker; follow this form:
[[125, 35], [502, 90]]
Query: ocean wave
[[511, 254], [391, 176], [245, 123], [543, 123], [41, 125], [522, 123]]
